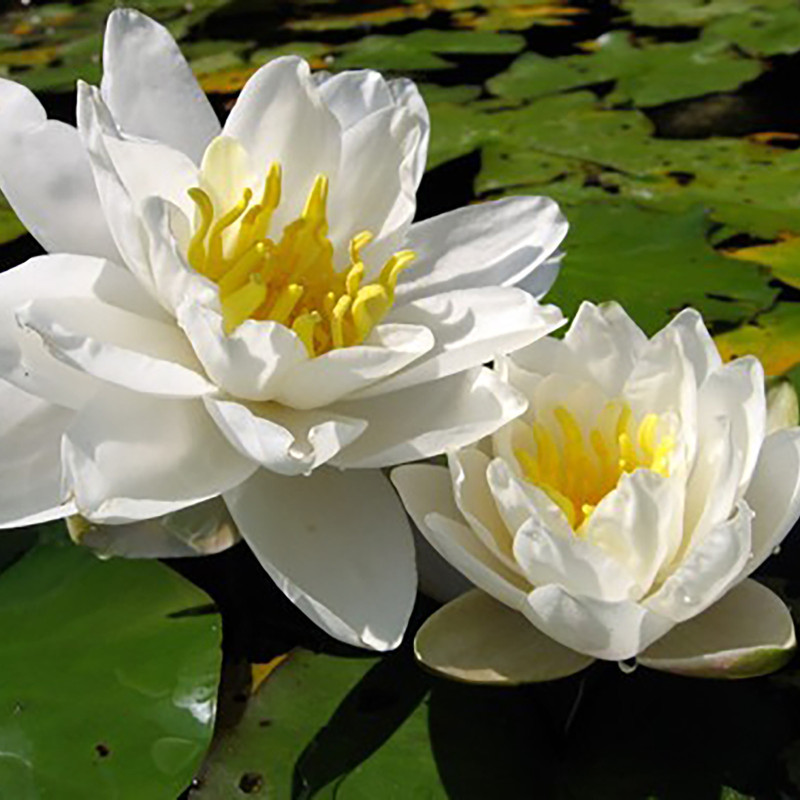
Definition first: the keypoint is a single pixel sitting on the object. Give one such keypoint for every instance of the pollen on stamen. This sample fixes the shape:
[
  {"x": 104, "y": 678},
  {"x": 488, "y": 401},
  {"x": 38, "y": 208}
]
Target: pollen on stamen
[{"x": 289, "y": 276}]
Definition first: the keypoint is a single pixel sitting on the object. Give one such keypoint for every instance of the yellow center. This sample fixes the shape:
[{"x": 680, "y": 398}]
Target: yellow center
[
  {"x": 291, "y": 280},
  {"x": 577, "y": 474}
]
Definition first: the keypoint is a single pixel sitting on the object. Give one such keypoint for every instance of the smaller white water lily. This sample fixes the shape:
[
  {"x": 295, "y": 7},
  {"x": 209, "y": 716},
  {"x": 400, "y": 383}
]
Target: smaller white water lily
[
  {"x": 620, "y": 516},
  {"x": 244, "y": 320}
]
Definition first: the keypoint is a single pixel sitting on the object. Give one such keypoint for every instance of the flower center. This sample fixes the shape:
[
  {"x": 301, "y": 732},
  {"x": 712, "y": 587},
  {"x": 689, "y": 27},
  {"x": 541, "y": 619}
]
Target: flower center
[
  {"x": 577, "y": 474},
  {"x": 290, "y": 280}
]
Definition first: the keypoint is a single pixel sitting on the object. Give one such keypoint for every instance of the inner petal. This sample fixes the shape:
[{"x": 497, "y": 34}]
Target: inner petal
[
  {"x": 577, "y": 468},
  {"x": 288, "y": 277}
]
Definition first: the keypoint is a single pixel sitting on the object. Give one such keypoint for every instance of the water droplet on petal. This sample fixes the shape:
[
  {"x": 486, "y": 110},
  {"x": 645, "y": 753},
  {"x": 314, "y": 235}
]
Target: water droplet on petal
[
  {"x": 628, "y": 665},
  {"x": 686, "y": 598},
  {"x": 776, "y": 550}
]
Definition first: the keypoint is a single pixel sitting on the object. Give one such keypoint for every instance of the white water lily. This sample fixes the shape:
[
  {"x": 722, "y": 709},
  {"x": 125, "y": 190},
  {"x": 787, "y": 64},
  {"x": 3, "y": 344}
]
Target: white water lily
[
  {"x": 233, "y": 311},
  {"x": 621, "y": 515}
]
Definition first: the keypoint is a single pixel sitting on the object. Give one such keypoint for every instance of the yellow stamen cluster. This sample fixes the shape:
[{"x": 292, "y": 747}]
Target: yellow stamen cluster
[
  {"x": 292, "y": 280},
  {"x": 577, "y": 474}
]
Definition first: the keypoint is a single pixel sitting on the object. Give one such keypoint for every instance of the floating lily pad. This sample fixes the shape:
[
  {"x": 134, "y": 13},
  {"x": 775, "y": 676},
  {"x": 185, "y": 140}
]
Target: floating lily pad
[
  {"x": 654, "y": 263},
  {"x": 110, "y": 673},
  {"x": 782, "y": 257},
  {"x": 323, "y": 726},
  {"x": 645, "y": 73},
  {"x": 763, "y": 31},
  {"x": 658, "y": 13}
]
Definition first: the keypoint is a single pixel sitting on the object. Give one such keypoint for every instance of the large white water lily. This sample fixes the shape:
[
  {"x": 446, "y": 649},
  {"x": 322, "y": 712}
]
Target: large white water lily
[
  {"x": 621, "y": 515},
  {"x": 234, "y": 311}
]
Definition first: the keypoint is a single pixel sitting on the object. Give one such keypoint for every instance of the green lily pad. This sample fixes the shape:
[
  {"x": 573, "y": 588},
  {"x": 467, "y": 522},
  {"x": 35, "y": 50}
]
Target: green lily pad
[
  {"x": 657, "y": 13},
  {"x": 110, "y": 673},
  {"x": 646, "y": 74},
  {"x": 761, "y": 32},
  {"x": 654, "y": 264},
  {"x": 328, "y": 727},
  {"x": 422, "y": 50}
]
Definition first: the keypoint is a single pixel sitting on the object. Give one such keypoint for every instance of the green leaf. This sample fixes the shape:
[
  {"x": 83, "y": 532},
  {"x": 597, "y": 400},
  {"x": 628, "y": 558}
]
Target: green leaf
[
  {"x": 658, "y": 13},
  {"x": 110, "y": 672},
  {"x": 654, "y": 264},
  {"x": 329, "y": 727},
  {"x": 646, "y": 74},
  {"x": 761, "y": 32},
  {"x": 421, "y": 50}
]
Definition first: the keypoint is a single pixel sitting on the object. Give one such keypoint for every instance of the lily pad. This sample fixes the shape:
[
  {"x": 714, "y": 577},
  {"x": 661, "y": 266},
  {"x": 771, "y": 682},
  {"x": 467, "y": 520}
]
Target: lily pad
[
  {"x": 763, "y": 31},
  {"x": 658, "y": 13},
  {"x": 645, "y": 73},
  {"x": 328, "y": 726},
  {"x": 110, "y": 673},
  {"x": 782, "y": 257},
  {"x": 654, "y": 264}
]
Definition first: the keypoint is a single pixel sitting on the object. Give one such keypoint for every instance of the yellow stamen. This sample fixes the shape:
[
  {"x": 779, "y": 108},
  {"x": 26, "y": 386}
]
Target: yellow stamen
[{"x": 291, "y": 278}]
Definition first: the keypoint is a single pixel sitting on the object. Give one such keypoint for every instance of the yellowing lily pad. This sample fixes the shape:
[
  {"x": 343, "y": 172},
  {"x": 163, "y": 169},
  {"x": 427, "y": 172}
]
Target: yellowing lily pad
[{"x": 782, "y": 257}]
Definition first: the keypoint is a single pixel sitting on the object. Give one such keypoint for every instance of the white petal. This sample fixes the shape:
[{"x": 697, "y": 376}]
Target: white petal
[
  {"x": 117, "y": 346},
  {"x": 279, "y": 116},
  {"x": 249, "y": 363},
  {"x": 30, "y": 464},
  {"x": 614, "y": 631},
  {"x": 374, "y": 190},
  {"x": 749, "y": 632},
  {"x": 47, "y": 179},
  {"x": 338, "y": 545},
  {"x": 353, "y": 94},
  {"x": 608, "y": 343},
  {"x": 547, "y": 356},
  {"x": 474, "y": 500},
  {"x": 712, "y": 565},
  {"x": 774, "y": 493},
  {"x": 437, "y": 579},
  {"x": 64, "y": 278},
  {"x": 426, "y": 493},
  {"x": 471, "y": 327},
  {"x": 489, "y": 244},
  {"x": 698, "y": 345},
  {"x": 335, "y": 375},
  {"x": 129, "y": 456},
  {"x": 539, "y": 282},
  {"x": 736, "y": 391},
  {"x": 150, "y": 88},
  {"x": 478, "y": 640},
  {"x": 406, "y": 93},
  {"x": 281, "y": 439},
  {"x": 200, "y": 530},
  {"x": 639, "y": 524},
  {"x": 445, "y": 414},
  {"x": 783, "y": 410}
]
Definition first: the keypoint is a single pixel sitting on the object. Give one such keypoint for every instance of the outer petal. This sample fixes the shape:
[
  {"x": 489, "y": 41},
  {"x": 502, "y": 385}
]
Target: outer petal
[
  {"x": 427, "y": 495},
  {"x": 774, "y": 493},
  {"x": 23, "y": 359},
  {"x": 46, "y": 176},
  {"x": 279, "y": 116},
  {"x": 749, "y": 632},
  {"x": 539, "y": 282},
  {"x": 612, "y": 631},
  {"x": 608, "y": 343},
  {"x": 489, "y": 244},
  {"x": 471, "y": 327},
  {"x": 353, "y": 94},
  {"x": 200, "y": 530},
  {"x": 338, "y": 545},
  {"x": 111, "y": 344},
  {"x": 447, "y": 413},
  {"x": 150, "y": 88},
  {"x": 281, "y": 439},
  {"x": 129, "y": 456},
  {"x": 698, "y": 345},
  {"x": 783, "y": 410},
  {"x": 736, "y": 391},
  {"x": 710, "y": 568},
  {"x": 30, "y": 465},
  {"x": 475, "y": 639}
]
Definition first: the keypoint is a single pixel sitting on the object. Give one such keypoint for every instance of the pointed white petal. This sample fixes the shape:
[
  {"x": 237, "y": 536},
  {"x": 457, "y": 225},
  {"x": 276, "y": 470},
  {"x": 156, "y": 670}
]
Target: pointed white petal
[
  {"x": 150, "y": 88},
  {"x": 774, "y": 493},
  {"x": 129, "y": 456},
  {"x": 698, "y": 346},
  {"x": 446, "y": 414},
  {"x": 712, "y": 565},
  {"x": 471, "y": 327},
  {"x": 749, "y": 632},
  {"x": 489, "y": 244},
  {"x": 783, "y": 410},
  {"x": 30, "y": 464},
  {"x": 47, "y": 179},
  {"x": 338, "y": 545},
  {"x": 475, "y": 639}
]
